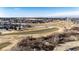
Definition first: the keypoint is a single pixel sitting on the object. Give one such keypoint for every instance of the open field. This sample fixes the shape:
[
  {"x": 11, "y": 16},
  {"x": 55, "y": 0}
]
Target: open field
[
  {"x": 34, "y": 32},
  {"x": 39, "y": 30},
  {"x": 44, "y": 27}
]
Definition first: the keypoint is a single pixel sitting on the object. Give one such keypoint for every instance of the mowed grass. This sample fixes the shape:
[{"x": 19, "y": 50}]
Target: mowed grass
[
  {"x": 34, "y": 32},
  {"x": 2, "y": 45}
]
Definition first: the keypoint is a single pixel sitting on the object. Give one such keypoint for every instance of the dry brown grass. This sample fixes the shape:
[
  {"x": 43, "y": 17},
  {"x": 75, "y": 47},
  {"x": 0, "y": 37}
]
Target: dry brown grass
[
  {"x": 2, "y": 45},
  {"x": 47, "y": 43}
]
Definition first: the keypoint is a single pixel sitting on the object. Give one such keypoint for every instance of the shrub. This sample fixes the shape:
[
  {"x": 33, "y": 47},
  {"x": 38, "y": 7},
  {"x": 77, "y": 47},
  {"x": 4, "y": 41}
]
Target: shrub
[
  {"x": 30, "y": 44},
  {"x": 47, "y": 43}
]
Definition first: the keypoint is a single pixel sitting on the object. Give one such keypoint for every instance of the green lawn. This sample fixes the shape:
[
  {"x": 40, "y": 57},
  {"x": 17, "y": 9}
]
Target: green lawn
[
  {"x": 2, "y": 45},
  {"x": 34, "y": 32}
]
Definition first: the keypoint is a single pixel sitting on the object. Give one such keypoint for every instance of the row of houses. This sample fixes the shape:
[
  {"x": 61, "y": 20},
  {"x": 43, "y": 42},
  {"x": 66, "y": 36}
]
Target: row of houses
[
  {"x": 30, "y": 20},
  {"x": 22, "y": 23},
  {"x": 14, "y": 26}
]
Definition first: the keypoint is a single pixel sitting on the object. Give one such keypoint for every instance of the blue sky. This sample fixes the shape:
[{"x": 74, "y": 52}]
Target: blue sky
[{"x": 38, "y": 11}]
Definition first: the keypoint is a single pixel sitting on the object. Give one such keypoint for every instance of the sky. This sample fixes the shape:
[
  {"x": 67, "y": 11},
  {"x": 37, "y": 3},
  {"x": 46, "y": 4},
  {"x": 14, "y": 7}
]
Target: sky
[{"x": 39, "y": 11}]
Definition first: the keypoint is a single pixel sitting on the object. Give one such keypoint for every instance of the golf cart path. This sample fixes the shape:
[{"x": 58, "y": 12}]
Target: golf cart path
[{"x": 66, "y": 45}]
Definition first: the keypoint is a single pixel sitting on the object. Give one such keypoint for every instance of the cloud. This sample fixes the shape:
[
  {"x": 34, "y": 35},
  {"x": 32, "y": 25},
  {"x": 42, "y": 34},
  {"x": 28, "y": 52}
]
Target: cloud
[
  {"x": 2, "y": 14},
  {"x": 66, "y": 14}
]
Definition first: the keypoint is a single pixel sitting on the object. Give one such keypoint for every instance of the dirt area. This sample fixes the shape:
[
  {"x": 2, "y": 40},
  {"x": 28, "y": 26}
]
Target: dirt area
[
  {"x": 66, "y": 46},
  {"x": 57, "y": 41},
  {"x": 13, "y": 39},
  {"x": 46, "y": 29}
]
